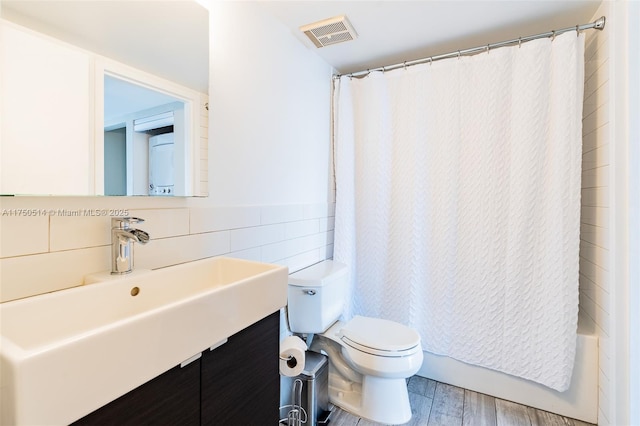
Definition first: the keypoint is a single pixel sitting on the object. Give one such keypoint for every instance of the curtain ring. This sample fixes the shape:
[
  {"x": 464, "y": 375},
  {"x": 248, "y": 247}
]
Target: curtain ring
[
  {"x": 519, "y": 42},
  {"x": 553, "y": 35},
  {"x": 488, "y": 49},
  {"x": 430, "y": 60},
  {"x": 384, "y": 70},
  {"x": 405, "y": 65},
  {"x": 458, "y": 54},
  {"x": 577, "y": 31}
]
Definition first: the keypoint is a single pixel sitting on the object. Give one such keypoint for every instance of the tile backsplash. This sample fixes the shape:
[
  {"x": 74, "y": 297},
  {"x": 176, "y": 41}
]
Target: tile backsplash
[{"x": 45, "y": 251}]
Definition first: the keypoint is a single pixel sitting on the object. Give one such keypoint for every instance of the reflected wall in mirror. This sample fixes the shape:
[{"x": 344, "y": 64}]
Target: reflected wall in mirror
[
  {"x": 144, "y": 135},
  {"x": 159, "y": 47}
]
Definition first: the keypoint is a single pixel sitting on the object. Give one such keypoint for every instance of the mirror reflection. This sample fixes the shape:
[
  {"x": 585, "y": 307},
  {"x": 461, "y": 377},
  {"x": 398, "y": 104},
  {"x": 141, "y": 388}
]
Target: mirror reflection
[{"x": 144, "y": 134}]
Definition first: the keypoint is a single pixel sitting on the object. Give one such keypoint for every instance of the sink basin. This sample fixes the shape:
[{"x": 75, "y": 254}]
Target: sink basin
[{"x": 65, "y": 354}]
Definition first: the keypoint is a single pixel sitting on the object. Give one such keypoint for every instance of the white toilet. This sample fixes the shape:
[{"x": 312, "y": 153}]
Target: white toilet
[{"x": 369, "y": 358}]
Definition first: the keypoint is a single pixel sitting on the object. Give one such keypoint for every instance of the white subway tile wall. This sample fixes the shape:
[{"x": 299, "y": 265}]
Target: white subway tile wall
[
  {"x": 222, "y": 218},
  {"x": 46, "y": 253},
  {"x": 594, "y": 227},
  {"x": 24, "y": 235},
  {"x": 24, "y": 276}
]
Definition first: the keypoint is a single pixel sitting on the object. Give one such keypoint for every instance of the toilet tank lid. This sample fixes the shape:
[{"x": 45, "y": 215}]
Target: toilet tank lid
[{"x": 319, "y": 274}]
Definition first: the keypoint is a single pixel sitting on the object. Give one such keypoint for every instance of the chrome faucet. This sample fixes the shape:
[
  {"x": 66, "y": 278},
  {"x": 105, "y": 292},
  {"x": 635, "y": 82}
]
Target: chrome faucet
[{"x": 122, "y": 239}]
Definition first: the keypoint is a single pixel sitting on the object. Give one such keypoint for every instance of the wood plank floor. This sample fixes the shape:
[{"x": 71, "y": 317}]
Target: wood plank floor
[{"x": 438, "y": 404}]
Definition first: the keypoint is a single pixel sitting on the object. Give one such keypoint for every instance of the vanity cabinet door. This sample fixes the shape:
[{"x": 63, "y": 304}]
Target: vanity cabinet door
[
  {"x": 45, "y": 106},
  {"x": 241, "y": 378},
  {"x": 173, "y": 398}
]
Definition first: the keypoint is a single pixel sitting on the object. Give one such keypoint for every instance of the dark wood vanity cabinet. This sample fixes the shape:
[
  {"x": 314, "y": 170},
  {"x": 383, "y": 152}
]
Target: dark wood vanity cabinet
[
  {"x": 173, "y": 398},
  {"x": 241, "y": 379},
  {"x": 237, "y": 383}
]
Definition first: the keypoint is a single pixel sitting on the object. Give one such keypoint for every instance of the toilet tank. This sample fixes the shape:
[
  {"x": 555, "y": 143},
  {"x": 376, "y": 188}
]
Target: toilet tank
[{"x": 316, "y": 296}]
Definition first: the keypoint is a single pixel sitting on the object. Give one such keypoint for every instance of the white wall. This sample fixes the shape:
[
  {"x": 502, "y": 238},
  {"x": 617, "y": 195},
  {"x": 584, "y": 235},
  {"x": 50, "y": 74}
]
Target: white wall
[
  {"x": 634, "y": 209},
  {"x": 268, "y": 165},
  {"x": 624, "y": 197},
  {"x": 270, "y": 108}
]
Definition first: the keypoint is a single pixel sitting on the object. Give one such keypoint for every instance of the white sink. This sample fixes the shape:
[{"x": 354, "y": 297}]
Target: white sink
[{"x": 65, "y": 354}]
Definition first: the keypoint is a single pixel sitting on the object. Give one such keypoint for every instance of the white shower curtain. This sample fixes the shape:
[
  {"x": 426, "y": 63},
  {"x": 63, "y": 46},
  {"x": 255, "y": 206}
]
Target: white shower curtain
[{"x": 458, "y": 203}]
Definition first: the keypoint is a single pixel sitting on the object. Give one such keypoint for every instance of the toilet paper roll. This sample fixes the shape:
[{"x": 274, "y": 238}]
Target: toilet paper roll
[{"x": 292, "y": 356}]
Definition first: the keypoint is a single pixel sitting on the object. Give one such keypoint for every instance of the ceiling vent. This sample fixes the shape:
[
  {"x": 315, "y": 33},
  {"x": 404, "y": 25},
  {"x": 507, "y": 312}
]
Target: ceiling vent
[{"x": 330, "y": 31}]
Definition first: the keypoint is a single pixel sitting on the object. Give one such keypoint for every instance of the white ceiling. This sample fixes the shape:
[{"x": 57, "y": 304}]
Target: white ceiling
[
  {"x": 391, "y": 32},
  {"x": 122, "y": 98}
]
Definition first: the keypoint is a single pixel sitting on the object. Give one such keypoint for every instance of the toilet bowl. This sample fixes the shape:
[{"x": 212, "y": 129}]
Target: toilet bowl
[
  {"x": 369, "y": 358},
  {"x": 382, "y": 354}
]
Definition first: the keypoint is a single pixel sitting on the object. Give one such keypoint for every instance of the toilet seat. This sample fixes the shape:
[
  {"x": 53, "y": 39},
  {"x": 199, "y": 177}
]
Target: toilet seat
[{"x": 380, "y": 337}]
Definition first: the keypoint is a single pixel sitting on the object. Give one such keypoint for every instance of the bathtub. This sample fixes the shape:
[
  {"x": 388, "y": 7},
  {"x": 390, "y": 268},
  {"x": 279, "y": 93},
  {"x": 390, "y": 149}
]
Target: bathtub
[{"x": 580, "y": 401}]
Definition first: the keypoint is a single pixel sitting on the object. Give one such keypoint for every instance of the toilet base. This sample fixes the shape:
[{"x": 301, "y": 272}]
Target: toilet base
[{"x": 377, "y": 399}]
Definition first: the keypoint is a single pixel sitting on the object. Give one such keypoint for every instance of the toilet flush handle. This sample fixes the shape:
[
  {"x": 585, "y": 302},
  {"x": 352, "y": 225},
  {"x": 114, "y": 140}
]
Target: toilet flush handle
[{"x": 309, "y": 292}]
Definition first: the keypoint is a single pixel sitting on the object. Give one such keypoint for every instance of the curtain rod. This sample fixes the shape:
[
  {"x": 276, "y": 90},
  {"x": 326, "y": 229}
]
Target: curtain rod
[{"x": 598, "y": 25}]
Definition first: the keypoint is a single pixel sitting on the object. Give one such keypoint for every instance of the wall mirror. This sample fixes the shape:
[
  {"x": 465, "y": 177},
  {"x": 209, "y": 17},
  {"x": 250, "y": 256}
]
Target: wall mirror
[{"x": 148, "y": 84}]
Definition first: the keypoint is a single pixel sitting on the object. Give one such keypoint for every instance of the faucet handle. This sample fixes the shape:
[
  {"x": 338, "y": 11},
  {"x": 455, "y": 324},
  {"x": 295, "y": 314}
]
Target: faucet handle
[{"x": 124, "y": 222}]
